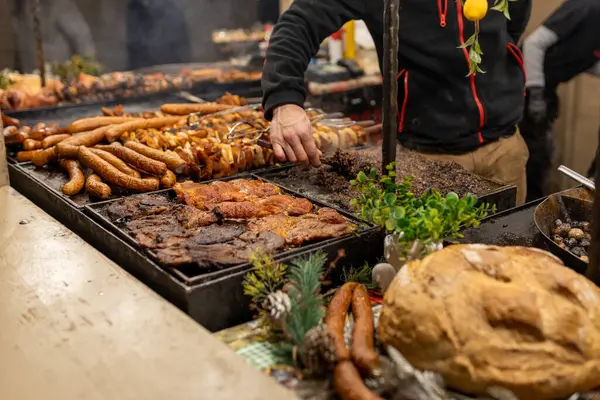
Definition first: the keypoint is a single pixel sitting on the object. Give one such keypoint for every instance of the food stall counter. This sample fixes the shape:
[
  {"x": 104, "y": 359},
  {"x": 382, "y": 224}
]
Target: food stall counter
[{"x": 75, "y": 325}]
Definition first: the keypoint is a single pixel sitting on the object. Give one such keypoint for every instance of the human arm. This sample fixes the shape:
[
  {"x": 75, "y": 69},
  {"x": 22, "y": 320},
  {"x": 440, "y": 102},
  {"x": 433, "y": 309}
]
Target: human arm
[
  {"x": 75, "y": 28},
  {"x": 520, "y": 12},
  {"x": 295, "y": 40}
]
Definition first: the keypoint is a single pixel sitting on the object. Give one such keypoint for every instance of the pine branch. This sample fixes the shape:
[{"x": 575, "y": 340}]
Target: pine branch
[{"x": 304, "y": 291}]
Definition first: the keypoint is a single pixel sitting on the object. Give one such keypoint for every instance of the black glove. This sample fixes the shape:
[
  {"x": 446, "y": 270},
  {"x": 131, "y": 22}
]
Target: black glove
[{"x": 537, "y": 107}]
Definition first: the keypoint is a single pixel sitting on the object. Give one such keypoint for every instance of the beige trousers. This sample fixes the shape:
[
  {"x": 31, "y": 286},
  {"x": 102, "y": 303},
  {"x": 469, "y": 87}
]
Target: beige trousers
[{"x": 503, "y": 161}]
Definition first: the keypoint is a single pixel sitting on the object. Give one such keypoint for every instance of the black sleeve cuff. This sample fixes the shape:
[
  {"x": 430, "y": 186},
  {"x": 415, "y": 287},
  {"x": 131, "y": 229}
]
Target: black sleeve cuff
[{"x": 277, "y": 99}]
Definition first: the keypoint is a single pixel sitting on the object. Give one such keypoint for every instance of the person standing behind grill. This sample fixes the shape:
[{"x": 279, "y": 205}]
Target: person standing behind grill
[
  {"x": 443, "y": 113},
  {"x": 566, "y": 45},
  {"x": 65, "y": 32}
]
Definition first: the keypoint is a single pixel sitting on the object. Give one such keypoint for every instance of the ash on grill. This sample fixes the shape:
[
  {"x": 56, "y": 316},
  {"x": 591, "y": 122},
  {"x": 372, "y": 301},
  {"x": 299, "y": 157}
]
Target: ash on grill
[{"x": 574, "y": 236}]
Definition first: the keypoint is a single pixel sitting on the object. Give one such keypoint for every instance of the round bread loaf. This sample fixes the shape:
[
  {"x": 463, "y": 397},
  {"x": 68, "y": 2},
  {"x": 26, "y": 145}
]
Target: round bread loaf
[{"x": 485, "y": 316}]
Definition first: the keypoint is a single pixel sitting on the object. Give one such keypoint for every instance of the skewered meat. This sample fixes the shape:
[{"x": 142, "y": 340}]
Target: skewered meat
[{"x": 326, "y": 223}]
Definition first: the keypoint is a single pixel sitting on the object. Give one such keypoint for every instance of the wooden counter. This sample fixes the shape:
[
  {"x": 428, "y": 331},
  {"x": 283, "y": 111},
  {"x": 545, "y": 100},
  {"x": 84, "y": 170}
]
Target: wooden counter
[{"x": 76, "y": 326}]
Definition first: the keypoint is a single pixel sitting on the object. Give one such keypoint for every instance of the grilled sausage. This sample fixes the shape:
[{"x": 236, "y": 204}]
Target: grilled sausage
[
  {"x": 8, "y": 121},
  {"x": 335, "y": 318},
  {"x": 43, "y": 157},
  {"x": 76, "y": 177},
  {"x": 139, "y": 161},
  {"x": 171, "y": 159},
  {"x": 112, "y": 175},
  {"x": 54, "y": 140},
  {"x": 10, "y": 135},
  {"x": 200, "y": 108},
  {"x": 116, "y": 131},
  {"x": 24, "y": 156},
  {"x": 30, "y": 144},
  {"x": 88, "y": 124},
  {"x": 363, "y": 335},
  {"x": 65, "y": 148},
  {"x": 349, "y": 385},
  {"x": 116, "y": 162},
  {"x": 22, "y": 134},
  {"x": 168, "y": 180},
  {"x": 96, "y": 188}
]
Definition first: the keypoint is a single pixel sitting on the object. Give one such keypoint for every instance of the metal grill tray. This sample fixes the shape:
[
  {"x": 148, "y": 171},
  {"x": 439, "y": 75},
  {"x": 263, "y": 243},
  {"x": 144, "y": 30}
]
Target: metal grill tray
[
  {"x": 191, "y": 275},
  {"x": 216, "y": 300},
  {"x": 504, "y": 197}
]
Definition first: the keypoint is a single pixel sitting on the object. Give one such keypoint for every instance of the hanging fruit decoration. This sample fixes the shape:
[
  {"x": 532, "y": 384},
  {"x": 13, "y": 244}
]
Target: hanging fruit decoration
[{"x": 475, "y": 11}]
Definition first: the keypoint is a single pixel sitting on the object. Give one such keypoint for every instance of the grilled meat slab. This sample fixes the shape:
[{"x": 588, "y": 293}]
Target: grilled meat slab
[
  {"x": 207, "y": 196},
  {"x": 325, "y": 224}
]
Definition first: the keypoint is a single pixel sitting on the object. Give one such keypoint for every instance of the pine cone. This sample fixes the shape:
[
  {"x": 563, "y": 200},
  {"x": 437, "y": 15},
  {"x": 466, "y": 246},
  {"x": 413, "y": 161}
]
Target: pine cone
[
  {"x": 279, "y": 306},
  {"x": 317, "y": 352}
]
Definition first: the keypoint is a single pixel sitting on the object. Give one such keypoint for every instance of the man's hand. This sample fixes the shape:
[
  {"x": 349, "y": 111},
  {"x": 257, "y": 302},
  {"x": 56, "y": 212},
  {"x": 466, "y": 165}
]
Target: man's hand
[
  {"x": 291, "y": 136},
  {"x": 537, "y": 108}
]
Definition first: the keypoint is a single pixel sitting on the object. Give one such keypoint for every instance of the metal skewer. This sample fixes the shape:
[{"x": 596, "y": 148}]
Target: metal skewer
[
  {"x": 576, "y": 176},
  {"x": 390, "y": 86}
]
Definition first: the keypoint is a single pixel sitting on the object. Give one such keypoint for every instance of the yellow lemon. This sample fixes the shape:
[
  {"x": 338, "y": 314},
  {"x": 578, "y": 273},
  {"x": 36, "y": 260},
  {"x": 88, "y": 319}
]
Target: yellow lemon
[{"x": 475, "y": 10}]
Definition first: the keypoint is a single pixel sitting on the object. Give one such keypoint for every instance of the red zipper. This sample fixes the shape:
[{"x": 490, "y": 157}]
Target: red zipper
[
  {"x": 514, "y": 50},
  {"x": 461, "y": 29},
  {"x": 442, "y": 11},
  {"x": 403, "y": 110}
]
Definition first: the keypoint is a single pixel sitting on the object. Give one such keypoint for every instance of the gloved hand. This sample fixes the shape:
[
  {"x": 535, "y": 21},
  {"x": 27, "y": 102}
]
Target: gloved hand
[
  {"x": 291, "y": 136},
  {"x": 537, "y": 107}
]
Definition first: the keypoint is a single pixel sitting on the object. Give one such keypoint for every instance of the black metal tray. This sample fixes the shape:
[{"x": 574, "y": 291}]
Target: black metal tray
[
  {"x": 64, "y": 115},
  {"x": 504, "y": 197},
  {"x": 191, "y": 276},
  {"x": 216, "y": 301},
  {"x": 52, "y": 178}
]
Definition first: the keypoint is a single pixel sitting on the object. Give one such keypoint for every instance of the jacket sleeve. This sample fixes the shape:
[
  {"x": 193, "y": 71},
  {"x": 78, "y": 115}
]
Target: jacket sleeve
[
  {"x": 568, "y": 16},
  {"x": 520, "y": 12},
  {"x": 534, "y": 53},
  {"x": 295, "y": 40},
  {"x": 75, "y": 28}
]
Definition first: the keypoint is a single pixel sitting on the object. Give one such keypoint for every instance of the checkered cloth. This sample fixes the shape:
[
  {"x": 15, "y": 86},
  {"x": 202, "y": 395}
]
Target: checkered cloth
[{"x": 263, "y": 355}]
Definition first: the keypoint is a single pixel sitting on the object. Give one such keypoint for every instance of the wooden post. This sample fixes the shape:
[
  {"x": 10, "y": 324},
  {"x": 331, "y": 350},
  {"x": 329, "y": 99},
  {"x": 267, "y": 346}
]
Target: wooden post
[
  {"x": 37, "y": 35},
  {"x": 390, "y": 85},
  {"x": 3, "y": 162},
  {"x": 593, "y": 270}
]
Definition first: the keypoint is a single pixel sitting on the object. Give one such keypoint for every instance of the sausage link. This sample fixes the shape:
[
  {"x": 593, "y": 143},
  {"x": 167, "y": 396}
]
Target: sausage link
[
  {"x": 139, "y": 161},
  {"x": 168, "y": 180},
  {"x": 24, "y": 156},
  {"x": 116, "y": 162},
  {"x": 170, "y": 158},
  {"x": 88, "y": 124},
  {"x": 30, "y": 144},
  {"x": 116, "y": 131},
  {"x": 10, "y": 135},
  {"x": 363, "y": 335},
  {"x": 200, "y": 108},
  {"x": 8, "y": 121},
  {"x": 349, "y": 385},
  {"x": 22, "y": 134},
  {"x": 96, "y": 188},
  {"x": 88, "y": 139},
  {"x": 54, "y": 140},
  {"x": 44, "y": 157},
  {"x": 76, "y": 177},
  {"x": 112, "y": 175},
  {"x": 335, "y": 318}
]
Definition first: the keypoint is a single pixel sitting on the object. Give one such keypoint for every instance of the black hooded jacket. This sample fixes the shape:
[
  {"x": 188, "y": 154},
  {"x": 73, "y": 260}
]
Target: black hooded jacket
[
  {"x": 576, "y": 23},
  {"x": 440, "y": 109}
]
